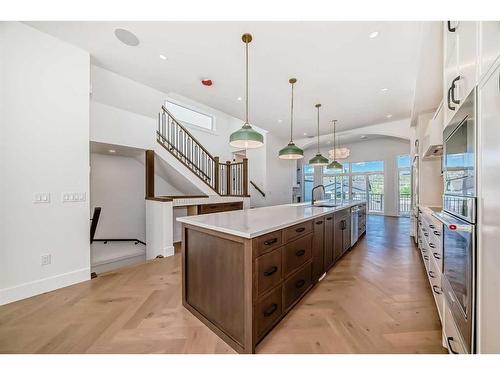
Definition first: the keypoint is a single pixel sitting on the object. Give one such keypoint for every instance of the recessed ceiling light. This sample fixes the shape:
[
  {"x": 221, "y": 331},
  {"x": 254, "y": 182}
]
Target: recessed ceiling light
[
  {"x": 384, "y": 89},
  {"x": 373, "y": 34},
  {"x": 389, "y": 115},
  {"x": 163, "y": 57},
  {"x": 239, "y": 98},
  {"x": 280, "y": 121},
  {"x": 363, "y": 137},
  {"x": 127, "y": 37},
  {"x": 111, "y": 151}
]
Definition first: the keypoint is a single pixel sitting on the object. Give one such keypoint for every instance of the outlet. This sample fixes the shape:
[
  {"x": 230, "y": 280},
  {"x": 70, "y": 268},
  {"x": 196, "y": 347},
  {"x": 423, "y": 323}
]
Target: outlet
[
  {"x": 41, "y": 198},
  {"x": 46, "y": 259}
]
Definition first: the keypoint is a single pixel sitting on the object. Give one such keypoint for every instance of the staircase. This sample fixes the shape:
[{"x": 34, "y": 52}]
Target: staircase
[{"x": 226, "y": 179}]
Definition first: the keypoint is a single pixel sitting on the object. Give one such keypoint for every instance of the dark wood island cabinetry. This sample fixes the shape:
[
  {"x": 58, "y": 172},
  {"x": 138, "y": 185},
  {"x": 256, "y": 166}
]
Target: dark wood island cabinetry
[{"x": 242, "y": 285}]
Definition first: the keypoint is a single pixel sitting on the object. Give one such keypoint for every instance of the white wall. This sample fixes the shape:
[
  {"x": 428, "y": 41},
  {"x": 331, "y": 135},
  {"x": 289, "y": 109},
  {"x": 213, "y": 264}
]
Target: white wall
[
  {"x": 117, "y": 185},
  {"x": 117, "y": 99},
  {"x": 44, "y": 147},
  {"x": 386, "y": 149}
]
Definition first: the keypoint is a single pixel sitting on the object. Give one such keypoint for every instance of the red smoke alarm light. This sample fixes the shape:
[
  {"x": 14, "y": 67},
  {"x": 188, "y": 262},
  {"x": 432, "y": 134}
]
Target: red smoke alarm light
[
  {"x": 452, "y": 227},
  {"x": 206, "y": 82}
]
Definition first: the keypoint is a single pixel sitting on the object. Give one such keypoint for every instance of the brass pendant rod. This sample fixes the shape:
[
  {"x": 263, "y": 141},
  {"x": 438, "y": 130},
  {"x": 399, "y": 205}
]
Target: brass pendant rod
[
  {"x": 246, "y": 99},
  {"x": 317, "y": 106},
  {"x": 291, "y": 117}
]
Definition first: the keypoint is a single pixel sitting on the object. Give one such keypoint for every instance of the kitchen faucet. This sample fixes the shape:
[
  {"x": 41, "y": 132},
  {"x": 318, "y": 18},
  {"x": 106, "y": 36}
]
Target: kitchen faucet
[{"x": 312, "y": 192}]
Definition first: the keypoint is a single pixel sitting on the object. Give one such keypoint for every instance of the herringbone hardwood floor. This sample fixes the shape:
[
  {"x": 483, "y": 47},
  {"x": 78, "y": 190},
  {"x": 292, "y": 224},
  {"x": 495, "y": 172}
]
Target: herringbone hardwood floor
[{"x": 376, "y": 299}]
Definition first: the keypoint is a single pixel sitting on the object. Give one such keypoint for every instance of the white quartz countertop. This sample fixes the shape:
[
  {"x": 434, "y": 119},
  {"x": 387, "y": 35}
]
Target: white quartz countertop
[{"x": 258, "y": 221}]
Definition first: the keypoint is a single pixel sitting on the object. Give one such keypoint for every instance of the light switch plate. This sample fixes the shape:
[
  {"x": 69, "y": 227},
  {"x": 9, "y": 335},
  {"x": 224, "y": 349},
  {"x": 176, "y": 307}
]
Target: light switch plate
[
  {"x": 46, "y": 259},
  {"x": 74, "y": 197},
  {"x": 41, "y": 198}
]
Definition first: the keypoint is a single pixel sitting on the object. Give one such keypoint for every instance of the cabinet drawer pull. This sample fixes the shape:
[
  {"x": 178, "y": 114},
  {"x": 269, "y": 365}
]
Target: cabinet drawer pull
[
  {"x": 300, "y": 252},
  {"x": 451, "y": 29},
  {"x": 328, "y": 218},
  {"x": 437, "y": 256},
  {"x": 426, "y": 257},
  {"x": 431, "y": 245},
  {"x": 431, "y": 274},
  {"x": 271, "y": 271},
  {"x": 271, "y": 241},
  {"x": 453, "y": 87},
  {"x": 436, "y": 289},
  {"x": 449, "y": 340},
  {"x": 319, "y": 222},
  {"x": 450, "y": 107},
  {"x": 299, "y": 284},
  {"x": 426, "y": 234},
  {"x": 432, "y": 226},
  {"x": 270, "y": 310},
  {"x": 437, "y": 233},
  {"x": 298, "y": 230}
]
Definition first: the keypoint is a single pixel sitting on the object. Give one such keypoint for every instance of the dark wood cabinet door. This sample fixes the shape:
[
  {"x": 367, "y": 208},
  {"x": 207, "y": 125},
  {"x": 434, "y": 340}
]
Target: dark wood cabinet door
[
  {"x": 318, "y": 248},
  {"x": 338, "y": 237},
  {"x": 329, "y": 254},
  {"x": 347, "y": 233}
]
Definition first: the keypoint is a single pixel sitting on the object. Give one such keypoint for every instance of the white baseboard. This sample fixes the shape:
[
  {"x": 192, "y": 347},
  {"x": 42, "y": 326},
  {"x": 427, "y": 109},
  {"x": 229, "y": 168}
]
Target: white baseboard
[
  {"x": 114, "y": 264},
  {"x": 33, "y": 288}
]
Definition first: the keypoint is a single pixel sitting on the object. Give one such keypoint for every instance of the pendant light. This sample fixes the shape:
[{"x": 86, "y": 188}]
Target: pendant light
[
  {"x": 246, "y": 137},
  {"x": 319, "y": 159},
  {"x": 291, "y": 151},
  {"x": 334, "y": 164}
]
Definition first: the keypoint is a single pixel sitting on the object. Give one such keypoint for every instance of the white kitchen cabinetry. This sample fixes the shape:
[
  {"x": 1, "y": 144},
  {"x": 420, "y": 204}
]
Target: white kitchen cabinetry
[
  {"x": 488, "y": 255},
  {"x": 460, "y": 65},
  {"x": 489, "y": 44}
]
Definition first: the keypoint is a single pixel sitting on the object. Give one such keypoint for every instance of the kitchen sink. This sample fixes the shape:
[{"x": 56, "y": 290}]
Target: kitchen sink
[{"x": 325, "y": 205}]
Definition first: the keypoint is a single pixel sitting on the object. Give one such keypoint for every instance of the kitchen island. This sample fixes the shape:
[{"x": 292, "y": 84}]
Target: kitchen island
[{"x": 242, "y": 271}]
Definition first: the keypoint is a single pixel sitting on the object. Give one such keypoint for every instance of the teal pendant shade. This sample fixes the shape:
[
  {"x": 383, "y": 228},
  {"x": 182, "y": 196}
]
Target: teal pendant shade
[
  {"x": 291, "y": 152},
  {"x": 334, "y": 165},
  {"x": 246, "y": 137},
  {"x": 318, "y": 160}
]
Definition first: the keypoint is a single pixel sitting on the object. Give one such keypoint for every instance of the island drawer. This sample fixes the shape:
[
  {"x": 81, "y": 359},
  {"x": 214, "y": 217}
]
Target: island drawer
[
  {"x": 295, "y": 286},
  {"x": 297, "y": 230},
  {"x": 219, "y": 207},
  {"x": 296, "y": 253},
  {"x": 268, "y": 268},
  {"x": 267, "y": 242},
  {"x": 267, "y": 311}
]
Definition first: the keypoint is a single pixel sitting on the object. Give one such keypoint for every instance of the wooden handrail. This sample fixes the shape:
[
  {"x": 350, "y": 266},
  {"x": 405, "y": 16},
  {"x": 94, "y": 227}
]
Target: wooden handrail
[
  {"x": 257, "y": 188},
  {"x": 224, "y": 178}
]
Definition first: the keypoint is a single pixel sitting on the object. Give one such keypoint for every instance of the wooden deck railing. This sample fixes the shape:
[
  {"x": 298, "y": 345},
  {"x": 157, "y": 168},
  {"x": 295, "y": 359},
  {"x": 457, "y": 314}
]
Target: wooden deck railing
[{"x": 229, "y": 178}]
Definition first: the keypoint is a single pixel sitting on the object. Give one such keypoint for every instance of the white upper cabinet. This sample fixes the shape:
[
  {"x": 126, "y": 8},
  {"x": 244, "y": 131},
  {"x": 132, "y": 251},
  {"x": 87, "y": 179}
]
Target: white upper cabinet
[
  {"x": 489, "y": 45},
  {"x": 460, "y": 65}
]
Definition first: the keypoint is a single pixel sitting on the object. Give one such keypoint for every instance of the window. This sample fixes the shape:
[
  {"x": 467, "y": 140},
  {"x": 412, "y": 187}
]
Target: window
[
  {"x": 404, "y": 161},
  {"x": 368, "y": 166},
  {"x": 190, "y": 116},
  {"x": 404, "y": 184},
  {"x": 308, "y": 181}
]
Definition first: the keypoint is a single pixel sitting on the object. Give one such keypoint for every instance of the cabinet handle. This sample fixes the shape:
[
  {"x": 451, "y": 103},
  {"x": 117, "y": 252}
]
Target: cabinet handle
[
  {"x": 299, "y": 284},
  {"x": 449, "y": 340},
  {"x": 437, "y": 256},
  {"x": 426, "y": 234},
  {"x": 343, "y": 225},
  {"x": 270, "y": 310},
  {"x": 431, "y": 274},
  {"x": 451, "y": 29},
  {"x": 319, "y": 222},
  {"x": 271, "y": 241},
  {"x": 432, "y": 226},
  {"x": 450, "y": 107},
  {"x": 298, "y": 230},
  {"x": 437, "y": 233},
  {"x": 328, "y": 218},
  {"x": 453, "y": 86},
  {"x": 426, "y": 257},
  {"x": 432, "y": 246},
  {"x": 271, "y": 271},
  {"x": 300, "y": 252},
  {"x": 436, "y": 289}
]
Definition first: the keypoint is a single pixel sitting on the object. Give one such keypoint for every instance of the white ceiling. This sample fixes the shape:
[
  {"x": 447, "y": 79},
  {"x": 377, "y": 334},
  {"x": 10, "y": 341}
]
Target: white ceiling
[{"x": 336, "y": 64}]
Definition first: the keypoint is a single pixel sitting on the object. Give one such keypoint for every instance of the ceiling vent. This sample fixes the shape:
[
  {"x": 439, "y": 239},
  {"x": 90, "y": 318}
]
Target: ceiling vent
[{"x": 127, "y": 37}]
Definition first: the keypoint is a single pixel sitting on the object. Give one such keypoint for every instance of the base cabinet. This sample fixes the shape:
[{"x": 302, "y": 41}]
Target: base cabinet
[{"x": 241, "y": 288}]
